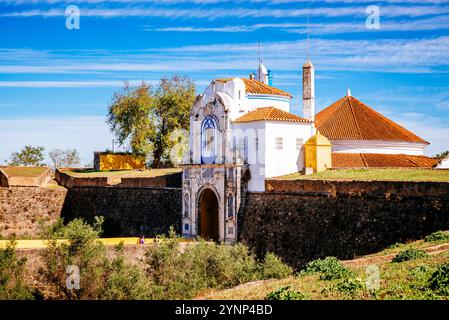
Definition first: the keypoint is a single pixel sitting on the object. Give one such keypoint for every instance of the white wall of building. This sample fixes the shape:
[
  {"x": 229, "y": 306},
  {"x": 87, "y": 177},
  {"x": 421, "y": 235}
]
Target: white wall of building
[
  {"x": 254, "y": 154},
  {"x": 444, "y": 164},
  {"x": 289, "y": 159},
  {"x": 378, "y": 146},
  {"x": 266, "y": 160}
]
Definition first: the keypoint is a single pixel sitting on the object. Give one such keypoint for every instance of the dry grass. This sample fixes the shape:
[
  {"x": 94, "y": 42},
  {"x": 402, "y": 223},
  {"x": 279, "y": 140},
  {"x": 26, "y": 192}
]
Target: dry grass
[
  {"x": 374, "y": 174},
  {"x": 23, "y": 171}
]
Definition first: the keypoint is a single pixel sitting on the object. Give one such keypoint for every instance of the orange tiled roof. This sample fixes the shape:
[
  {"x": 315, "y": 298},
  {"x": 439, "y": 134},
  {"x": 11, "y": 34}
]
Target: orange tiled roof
[
  {"x": 374, "y": 160},
  {"x": 351, "y": 119},
  {"x": 270, "y": 113},
  {"x": 257, "y": 87}
]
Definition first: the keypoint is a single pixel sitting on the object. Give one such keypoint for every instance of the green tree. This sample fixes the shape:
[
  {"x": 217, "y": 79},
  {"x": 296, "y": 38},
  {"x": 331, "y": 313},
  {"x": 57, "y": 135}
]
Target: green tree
[
  {"x": 147, "y": 118},
  {"x": 174, "y": 98},
  {"x": 28, "y": 156},
  {"x": 442, "y": 155},
  {"x": 132, "y": 119}
]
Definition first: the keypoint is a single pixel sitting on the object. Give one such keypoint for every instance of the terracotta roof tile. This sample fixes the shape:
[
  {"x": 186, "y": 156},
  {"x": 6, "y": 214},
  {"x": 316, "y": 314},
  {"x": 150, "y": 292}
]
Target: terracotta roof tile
[
  {"x": 374, "y": 160},
  {"x": 351, "y": 119},
  {"x": 257, "y": 87},
  {"x": 269, "y": 113}
]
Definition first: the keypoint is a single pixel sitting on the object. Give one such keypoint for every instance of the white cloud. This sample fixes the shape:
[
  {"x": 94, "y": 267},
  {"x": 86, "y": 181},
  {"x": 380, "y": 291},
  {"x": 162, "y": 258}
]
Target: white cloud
[
  {"x": 389, "y": 55},
  {"x": 214, "y": 13},
  {"x": 435, "y": 23},
  {"x": 443, "y": 105},
  {"x": 84, "y": 133},
  {"x": 205, "y": 2},
  {"x": 429, "y": 128},
  {"x": 67, "y": 84}
]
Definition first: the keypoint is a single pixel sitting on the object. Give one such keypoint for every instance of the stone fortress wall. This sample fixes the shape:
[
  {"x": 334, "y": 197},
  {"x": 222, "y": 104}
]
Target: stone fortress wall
[{"x": 298, "y": 220}]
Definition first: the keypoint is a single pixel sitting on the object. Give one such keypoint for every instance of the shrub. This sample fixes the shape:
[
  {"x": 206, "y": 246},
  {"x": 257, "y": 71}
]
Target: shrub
[
  {"x": 12, "y": 274},
  {"x": 273, "y": 268},
  {"x": 395, "y": 245},
  {"x": 409, "y": 254},
  {"x": 285, "y": 293},
  {"x": 100, "y": 276},
  {"x": 420, "y": 270},
  {"x": 125, "y": 281},
  {"x": 439, "y": 280},
  {"x": 181, "y": 274},
  {"x": 437, "y": 236},
  {"x": 350, "y": 286},
  {"x": 330, "y": 268}
]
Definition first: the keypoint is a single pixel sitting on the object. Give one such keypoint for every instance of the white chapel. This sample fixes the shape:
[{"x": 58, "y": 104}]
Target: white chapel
[{"x": 242, "y": 132}]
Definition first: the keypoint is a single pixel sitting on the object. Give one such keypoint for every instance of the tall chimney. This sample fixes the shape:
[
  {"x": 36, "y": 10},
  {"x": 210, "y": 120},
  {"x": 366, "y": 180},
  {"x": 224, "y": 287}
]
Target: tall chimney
[{"x": 308, "y": 90}]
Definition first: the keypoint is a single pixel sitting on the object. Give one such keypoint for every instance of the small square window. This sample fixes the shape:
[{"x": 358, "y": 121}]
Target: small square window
[
  {"x": 186, "y": 226},
  {"x": 279, "y": 143}
]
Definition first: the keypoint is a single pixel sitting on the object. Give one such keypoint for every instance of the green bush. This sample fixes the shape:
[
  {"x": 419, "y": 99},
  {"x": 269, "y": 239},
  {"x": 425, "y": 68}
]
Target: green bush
[
  {"x": 273, "y": 268},
  {"x": 124, "y": 281},
  {"x": 395, "y": 245},
  {"x": 409, "y": 254},
  {"x": 350, "y": 286},
  {"x": 181, "y": 274},
  {"x": 100, "y": 276},
  {"x": 285, "y": 293},
  {"x": 12, "y": 274},
  {"x": 439, "y": 280},
  {"x": 437, "y": 236},
  {"x": 330, "y": 268}
]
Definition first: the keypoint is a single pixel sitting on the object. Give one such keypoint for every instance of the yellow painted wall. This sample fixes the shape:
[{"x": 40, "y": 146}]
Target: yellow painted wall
[
  {"x": 39, "y": 244},
  {"x": 318, "y": 153},
  {"x": 121, "y": 162}
]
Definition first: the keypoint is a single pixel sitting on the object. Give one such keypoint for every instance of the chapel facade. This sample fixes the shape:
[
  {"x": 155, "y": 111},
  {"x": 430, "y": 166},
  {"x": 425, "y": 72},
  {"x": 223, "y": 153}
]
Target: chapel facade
[{"x": 242, "y": 132}]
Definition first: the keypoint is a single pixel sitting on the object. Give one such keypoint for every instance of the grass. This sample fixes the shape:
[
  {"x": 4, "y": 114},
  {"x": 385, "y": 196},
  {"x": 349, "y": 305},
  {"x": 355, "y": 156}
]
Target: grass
[
  {"x": 23, "y": 171},
  {"x": 408, "y": 280},
  {"x": 90, "y": 173},
  {"x": 374, "y": 174}
]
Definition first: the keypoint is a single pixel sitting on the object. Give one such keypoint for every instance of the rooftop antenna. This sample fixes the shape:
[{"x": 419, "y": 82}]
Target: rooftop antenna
[{"x": 308, "y": 31}]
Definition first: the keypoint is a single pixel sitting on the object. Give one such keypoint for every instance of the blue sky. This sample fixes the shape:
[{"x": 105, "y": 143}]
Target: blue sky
[{"x": 55, "y": 83}]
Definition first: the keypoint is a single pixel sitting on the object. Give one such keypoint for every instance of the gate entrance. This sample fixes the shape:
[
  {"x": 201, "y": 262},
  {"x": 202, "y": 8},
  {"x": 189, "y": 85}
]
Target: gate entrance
[{"x": 208, "y": 215}]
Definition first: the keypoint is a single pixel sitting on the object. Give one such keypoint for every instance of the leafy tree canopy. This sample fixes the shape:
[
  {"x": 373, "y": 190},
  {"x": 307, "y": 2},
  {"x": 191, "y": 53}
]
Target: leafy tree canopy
[
  {"x": 28, "y": 156},
  {"x": 146, "y": 118},
  {"x": 442, "y": 155}
]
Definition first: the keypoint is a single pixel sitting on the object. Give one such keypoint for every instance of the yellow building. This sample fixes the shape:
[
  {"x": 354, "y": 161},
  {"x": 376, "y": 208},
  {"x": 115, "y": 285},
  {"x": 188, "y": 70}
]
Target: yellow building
[
  {"x": 318, "y": 153},
  {"x": 117, "y": 161}
]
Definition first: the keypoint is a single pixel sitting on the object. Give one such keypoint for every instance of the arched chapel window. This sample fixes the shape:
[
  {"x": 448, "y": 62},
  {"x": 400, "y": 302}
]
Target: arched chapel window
[{"x": 209, "y": 140}]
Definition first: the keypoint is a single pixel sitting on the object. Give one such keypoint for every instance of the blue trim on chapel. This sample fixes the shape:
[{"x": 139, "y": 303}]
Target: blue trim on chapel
[{"x": 209, "y": 123}]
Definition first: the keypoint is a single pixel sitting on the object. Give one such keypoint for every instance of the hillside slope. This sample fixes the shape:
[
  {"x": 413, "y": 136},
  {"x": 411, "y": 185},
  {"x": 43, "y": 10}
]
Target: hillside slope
[{"x": 397, "y": 280}]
